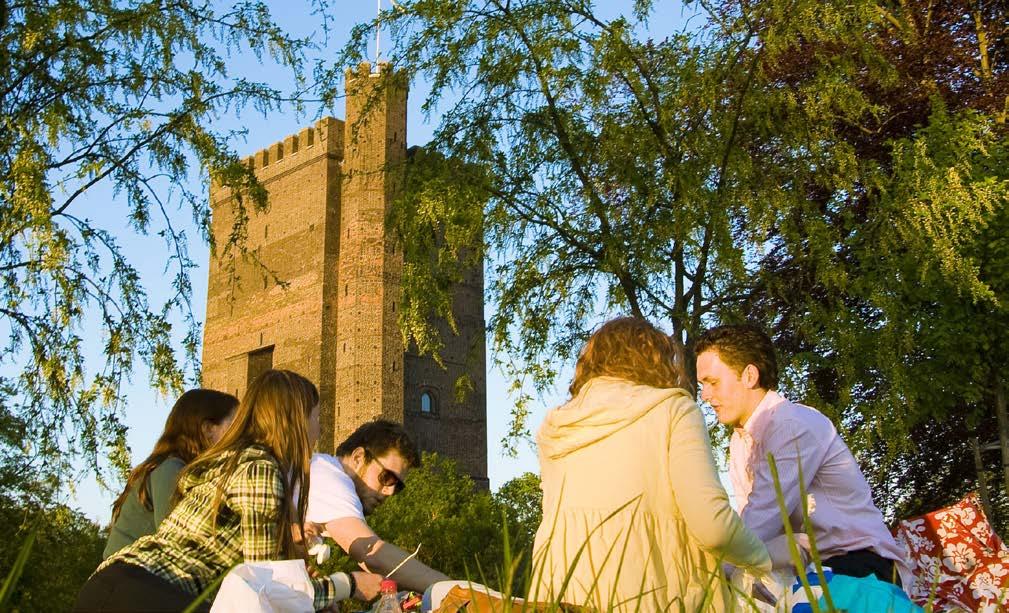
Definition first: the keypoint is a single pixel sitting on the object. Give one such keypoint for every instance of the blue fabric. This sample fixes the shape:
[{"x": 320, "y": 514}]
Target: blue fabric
[
  {"x": 853, "y": 595},
  {"x": 868, "y": 595},
  {"x": 800, "y": 598}
]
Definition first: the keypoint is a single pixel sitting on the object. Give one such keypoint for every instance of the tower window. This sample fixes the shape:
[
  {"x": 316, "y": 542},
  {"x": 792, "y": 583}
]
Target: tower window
[
  {"x": 259, "y": 361},
  {"x": 428, "y": 403}
]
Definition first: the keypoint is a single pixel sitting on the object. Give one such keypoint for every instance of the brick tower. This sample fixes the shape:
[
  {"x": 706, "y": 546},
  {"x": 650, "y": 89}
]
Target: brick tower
[
  {"x": 323, "y": 299},
  {"x": 369, "y": 364}
]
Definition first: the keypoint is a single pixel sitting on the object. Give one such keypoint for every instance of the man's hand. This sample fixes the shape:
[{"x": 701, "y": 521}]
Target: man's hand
[
  {"x": 368, "y": 585},
  {"x": 781, "y": 552},
  {"x": 315, "y": 544},
  {"x": 757, "y": 589},
  {"x": 318, "y": 548}
]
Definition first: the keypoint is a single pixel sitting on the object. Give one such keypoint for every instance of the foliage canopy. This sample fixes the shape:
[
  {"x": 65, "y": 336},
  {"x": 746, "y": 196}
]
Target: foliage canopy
[
  {"x": 834, "y": 171},
  {"x": 106, "y": 108}
]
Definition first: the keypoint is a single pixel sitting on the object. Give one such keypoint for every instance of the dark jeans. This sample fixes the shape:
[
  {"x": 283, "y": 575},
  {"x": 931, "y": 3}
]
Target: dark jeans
[
  {"x": 863, "y": 563},
  {"x": 122, "y": 587}
]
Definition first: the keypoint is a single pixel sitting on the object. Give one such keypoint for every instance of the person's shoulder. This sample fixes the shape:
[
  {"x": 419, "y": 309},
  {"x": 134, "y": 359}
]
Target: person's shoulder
[
  {"x": 327, "y": 468},
  {"x": 332, "y": 494},
  {"x": 679, "y": 400},
  {"x": 257, "y": 458},
  {"x": 171, "y": 464},
  {"x": 167, "y": 471},
  {"x": 325, "y": 460},
  {"x": 256, "y": 468},
  {"x": 799, "y": 415}
]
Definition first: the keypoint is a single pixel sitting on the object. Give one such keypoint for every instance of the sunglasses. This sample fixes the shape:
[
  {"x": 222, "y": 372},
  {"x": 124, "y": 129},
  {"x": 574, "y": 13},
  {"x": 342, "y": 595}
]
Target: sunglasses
[{"x": 388, "y": 477}]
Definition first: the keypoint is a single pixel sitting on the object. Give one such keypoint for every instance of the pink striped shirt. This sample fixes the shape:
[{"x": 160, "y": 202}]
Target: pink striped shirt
[{"x": 842, "y": 513}]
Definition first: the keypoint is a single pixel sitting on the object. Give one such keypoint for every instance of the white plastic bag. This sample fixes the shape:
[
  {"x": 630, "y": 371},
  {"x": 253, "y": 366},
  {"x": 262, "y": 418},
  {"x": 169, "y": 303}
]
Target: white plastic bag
[{"x": 266, "y": 587}]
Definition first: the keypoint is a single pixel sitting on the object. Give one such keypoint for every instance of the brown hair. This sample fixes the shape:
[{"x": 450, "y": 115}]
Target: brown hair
[
  {"x": 631, "y": 348},
  {"x": 741, "y": 345},
  {"x": 182, "y": 437},
  {"x": 273, "y": 414},
  {"x": 378, "y": 437}
]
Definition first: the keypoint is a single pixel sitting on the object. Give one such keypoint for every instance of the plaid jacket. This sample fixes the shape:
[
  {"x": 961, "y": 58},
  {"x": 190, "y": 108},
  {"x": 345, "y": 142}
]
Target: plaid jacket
[{"x": 191, "y": 550}]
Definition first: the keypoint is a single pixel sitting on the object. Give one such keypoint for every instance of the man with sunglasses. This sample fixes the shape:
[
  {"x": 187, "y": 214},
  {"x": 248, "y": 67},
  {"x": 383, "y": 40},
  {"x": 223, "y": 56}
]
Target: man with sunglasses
[{"x": 368, "y": 468}]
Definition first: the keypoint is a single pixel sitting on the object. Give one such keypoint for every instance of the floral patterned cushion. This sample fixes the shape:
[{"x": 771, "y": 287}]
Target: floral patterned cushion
[{"x": 957, "y": 559}]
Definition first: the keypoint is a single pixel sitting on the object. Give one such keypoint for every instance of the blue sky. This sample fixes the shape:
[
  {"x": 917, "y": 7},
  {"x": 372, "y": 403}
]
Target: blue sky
[{"x": 146, "y": 411}]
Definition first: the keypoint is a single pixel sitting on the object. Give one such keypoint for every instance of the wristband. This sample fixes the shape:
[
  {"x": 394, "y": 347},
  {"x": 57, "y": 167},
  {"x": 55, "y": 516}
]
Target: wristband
[{"x": 344, "y": 585}]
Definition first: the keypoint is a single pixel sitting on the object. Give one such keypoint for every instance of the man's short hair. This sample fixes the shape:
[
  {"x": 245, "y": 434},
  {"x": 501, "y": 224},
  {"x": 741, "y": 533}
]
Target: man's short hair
[
  {"x": 740, "y": 345},
  {"x": 378, "y": 438}
]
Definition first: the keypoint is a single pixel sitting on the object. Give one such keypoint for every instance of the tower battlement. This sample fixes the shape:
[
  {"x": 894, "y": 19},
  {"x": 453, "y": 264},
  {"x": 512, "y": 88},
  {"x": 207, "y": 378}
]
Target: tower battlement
[{"x": 325, "y": 136}]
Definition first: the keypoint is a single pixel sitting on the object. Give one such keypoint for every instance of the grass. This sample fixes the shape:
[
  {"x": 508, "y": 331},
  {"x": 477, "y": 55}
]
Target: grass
[{"x": 533, "y": 601}]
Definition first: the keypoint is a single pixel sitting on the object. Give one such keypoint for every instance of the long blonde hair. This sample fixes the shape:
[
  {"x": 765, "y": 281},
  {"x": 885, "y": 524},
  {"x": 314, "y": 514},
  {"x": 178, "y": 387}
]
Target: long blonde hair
[
  {"x": 632, "y": 348},
  {"x": 273, "y": 414}
]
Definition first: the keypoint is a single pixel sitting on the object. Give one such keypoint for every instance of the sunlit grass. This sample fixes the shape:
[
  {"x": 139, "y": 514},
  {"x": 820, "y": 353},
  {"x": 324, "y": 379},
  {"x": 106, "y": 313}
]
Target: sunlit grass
[{"x": 518, "y": 578}]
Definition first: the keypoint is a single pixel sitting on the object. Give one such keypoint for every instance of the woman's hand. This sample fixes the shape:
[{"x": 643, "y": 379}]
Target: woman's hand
[{"x": 368, "y": 585}]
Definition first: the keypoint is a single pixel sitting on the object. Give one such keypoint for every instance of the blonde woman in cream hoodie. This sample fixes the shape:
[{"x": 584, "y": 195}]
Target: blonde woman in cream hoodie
[{"x": 631, "y": 497}]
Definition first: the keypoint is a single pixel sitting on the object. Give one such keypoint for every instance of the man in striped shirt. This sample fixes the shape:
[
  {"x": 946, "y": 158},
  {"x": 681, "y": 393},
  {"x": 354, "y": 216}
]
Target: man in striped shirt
[{"x": 738, "y": 372}]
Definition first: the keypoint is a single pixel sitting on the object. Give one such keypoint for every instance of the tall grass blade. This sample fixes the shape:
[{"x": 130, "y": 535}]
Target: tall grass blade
[
  {"x": 15, "y": 572},
  {"x": 210, "y": 589},
  {"x": 793, "y": 547},
  {"x": 807, "y": 525},
  {"x": 578, "y": 554}
]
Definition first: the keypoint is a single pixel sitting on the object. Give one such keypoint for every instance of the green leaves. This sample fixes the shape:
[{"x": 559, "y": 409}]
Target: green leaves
[
  {"x": 460, "y": 527},
  {"x": 605, "y": 167},
  {"x": 833, "y": 170},
  {"x": 49, "y": 552},
  {"x": 877, "y": 281},
  {"x": 439, "y": 222},
  {"x": 106, "y": 106}
]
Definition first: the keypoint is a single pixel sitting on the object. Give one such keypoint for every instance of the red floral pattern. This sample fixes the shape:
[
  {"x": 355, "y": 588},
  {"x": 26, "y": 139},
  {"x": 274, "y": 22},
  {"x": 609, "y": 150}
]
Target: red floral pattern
[{"x": 955, "y": 555}]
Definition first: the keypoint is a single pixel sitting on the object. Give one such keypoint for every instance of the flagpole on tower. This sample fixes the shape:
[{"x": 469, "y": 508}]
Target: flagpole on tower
[{"x": 378, "y": 31}]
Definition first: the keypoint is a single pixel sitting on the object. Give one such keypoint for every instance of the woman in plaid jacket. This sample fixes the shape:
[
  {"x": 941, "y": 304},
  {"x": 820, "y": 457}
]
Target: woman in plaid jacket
[{"x": 235, "y": 503}]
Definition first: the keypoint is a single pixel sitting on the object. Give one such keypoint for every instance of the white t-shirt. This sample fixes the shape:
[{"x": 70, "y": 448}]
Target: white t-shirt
[{"x": 332, "y": 494}]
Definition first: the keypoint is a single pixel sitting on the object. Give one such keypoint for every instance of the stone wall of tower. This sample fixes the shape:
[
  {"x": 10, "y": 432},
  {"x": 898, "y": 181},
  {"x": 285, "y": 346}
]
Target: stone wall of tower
[
  {"x": 457, "y": 427},
  {"x": 369, "y": 364},
  {"x": 272, "y": 313}
]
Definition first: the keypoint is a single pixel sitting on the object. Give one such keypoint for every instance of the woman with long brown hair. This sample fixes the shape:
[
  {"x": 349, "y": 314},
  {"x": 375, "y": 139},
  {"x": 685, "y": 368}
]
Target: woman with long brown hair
[
  {"x": 197, "y": 420},
  {"x": 237, "y": 503},
  {"x": 634, "y": 515}
]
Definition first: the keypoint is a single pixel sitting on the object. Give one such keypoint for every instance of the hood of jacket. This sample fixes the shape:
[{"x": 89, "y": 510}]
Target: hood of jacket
[{"x": 603, "y": 406}]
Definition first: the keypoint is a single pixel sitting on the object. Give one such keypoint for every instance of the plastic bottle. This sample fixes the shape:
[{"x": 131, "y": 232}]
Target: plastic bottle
[{"x": 389, "y": 602}]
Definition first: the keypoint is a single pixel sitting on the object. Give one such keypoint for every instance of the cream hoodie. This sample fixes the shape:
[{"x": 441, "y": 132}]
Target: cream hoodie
[{"x": 633, "y": 506}]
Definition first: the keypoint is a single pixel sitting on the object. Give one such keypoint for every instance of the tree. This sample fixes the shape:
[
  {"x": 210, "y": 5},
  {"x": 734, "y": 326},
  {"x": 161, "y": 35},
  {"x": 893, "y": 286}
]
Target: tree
[
  {"x": 521, "y": 501},
  {"x": 66, "y": 552},
  {"x": 888, "y": 293},
  {"x": 609, "y": 166},
  {"x": 935, "y": 471},
  {"x": 119, "y": 96},
  {"x": 831, "y": 170}
]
